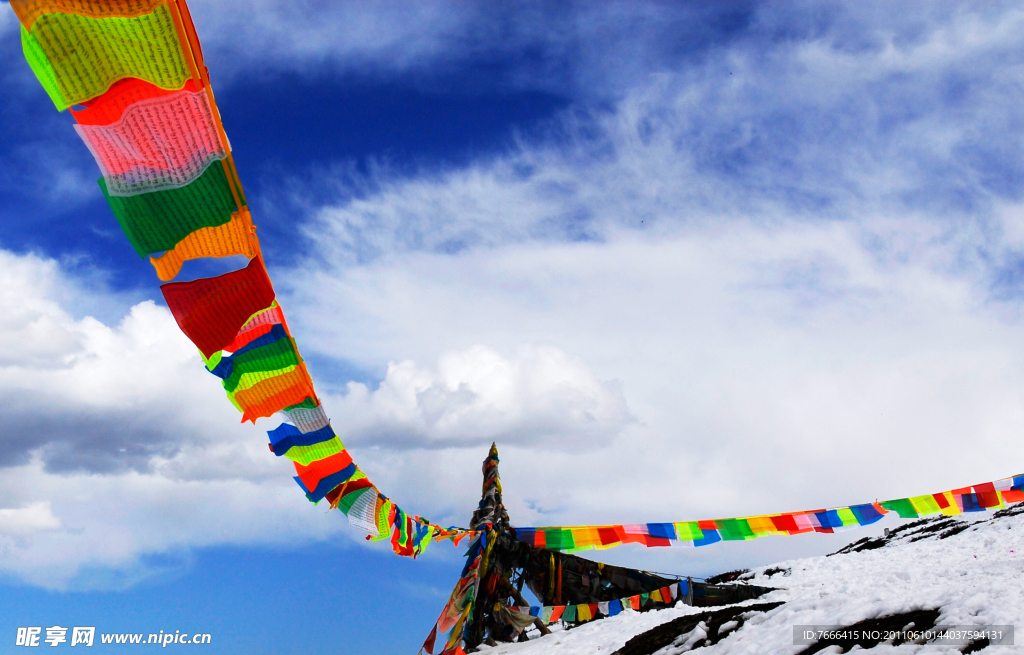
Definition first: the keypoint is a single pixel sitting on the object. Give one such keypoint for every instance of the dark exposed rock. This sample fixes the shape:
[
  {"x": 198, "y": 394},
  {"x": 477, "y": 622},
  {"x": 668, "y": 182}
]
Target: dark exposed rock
[
  {"x": 870, "y": 628},
  {"x": 657, "y": 638},
  {"x": 775, "y": 570},
  {"x": 728, "y": 576}
]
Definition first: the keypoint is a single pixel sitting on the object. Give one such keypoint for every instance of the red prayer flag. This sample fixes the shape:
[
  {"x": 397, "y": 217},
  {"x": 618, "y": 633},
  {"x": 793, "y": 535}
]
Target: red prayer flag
[
  {"x": 556, "y": 613},
  {"x": 784, "y": 523},
  {"x": 428, "y": 645},
  {"x": 608, "y": 536},
  {"x": 210, "y": 311},
  {"x": 316, "y": 471},
  {"x": 941, "y": 500},
  {"x": 1013, "y": 495},
  {"x": 987, "y": 496},
  {"x": 109, "y": 107}
]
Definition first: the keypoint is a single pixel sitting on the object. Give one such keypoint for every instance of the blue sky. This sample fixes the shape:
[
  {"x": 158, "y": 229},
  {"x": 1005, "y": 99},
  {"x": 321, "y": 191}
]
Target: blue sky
[{"x": 680, "y": 262}]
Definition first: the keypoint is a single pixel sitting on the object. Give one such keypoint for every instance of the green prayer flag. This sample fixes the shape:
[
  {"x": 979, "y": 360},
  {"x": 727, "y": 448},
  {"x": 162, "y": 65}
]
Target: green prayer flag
[
  {"x": 274, "y": 356},
  {"x": 734, "y": 529},
  {"x": 156, "y": 222},
  {"x": 925, "y": 505},
  {"x": 558, "y": 539},
  {"x": 903, "y": 507},
  {"x": 77, "y": 58},
  {"x": 847, "y": 516},
  {"x": 689, "y": 531}
]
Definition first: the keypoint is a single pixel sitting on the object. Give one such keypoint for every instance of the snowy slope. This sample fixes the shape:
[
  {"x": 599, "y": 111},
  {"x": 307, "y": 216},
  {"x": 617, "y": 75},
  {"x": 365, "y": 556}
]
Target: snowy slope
[{"x": 970, "y": 570}]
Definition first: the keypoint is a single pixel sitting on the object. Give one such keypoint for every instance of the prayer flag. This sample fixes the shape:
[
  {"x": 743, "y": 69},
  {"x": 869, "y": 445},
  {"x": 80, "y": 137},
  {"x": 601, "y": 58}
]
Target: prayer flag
[
  {"x": 158, "y": 221},
  {"x": 233, "y": 238},
  {"x": 210, "y": 311},
  {"x": 164, "y": 142},
  {"x": 77, "y": 58}
]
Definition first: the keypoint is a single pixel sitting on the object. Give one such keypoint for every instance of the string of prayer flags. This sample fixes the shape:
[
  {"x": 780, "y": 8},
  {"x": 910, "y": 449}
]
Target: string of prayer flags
[
  {"x": 583, "y": 612},
  {"x": 132, "y": 73},
  {"x": 457, "y": 614},
  {"x": 980, "y": 497},
  {"x": 323, "y": 464}
]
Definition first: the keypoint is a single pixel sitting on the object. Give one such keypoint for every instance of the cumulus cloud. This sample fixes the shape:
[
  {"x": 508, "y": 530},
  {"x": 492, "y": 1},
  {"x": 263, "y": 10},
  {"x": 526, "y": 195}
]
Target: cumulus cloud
[
  {"x": 541, "y": 397},
  {"x": 118, "y": 445},
  {"x": 93, "y": 397}
]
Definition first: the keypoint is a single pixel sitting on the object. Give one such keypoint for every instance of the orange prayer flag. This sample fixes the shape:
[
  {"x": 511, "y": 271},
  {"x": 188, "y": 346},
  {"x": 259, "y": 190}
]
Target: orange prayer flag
[{"x": 232, "y": 238}]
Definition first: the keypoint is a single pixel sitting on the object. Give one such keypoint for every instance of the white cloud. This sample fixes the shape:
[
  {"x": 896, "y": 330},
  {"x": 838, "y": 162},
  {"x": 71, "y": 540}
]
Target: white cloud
[
  {"x": 768, "y": 369},
  {"x": 8, "y": 21},
  {"x": 117, "y": 444},
  {"x": 27, "y": 520},
  {"x": 541, "y": 397}
]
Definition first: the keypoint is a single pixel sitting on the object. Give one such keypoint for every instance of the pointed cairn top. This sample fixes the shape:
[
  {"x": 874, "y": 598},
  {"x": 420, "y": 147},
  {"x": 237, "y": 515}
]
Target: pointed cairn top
[{"x": 490, "y": 509}]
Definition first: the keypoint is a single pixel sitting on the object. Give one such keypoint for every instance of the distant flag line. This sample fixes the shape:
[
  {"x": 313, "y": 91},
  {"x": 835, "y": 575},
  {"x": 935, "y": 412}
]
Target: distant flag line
[
  {"x": 977, "y": 498},
  {"x": 132, "y": 74}
]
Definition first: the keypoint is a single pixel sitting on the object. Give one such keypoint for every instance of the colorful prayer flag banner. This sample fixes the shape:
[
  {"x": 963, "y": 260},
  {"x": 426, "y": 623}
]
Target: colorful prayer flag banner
[
  {"x": 133, "y": 73},
  {"x": 980, "y": 497},
  {"x": 583, "y": 612}
]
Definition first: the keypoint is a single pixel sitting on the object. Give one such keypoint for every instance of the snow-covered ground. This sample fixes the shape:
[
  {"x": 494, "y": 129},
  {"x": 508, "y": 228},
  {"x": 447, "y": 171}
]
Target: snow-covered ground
[{"x": 972, "y": 577}]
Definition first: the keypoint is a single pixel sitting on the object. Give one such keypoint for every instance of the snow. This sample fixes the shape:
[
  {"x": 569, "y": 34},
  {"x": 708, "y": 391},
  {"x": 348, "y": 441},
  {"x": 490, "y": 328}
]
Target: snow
[{"x": 975, "y": 577}]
